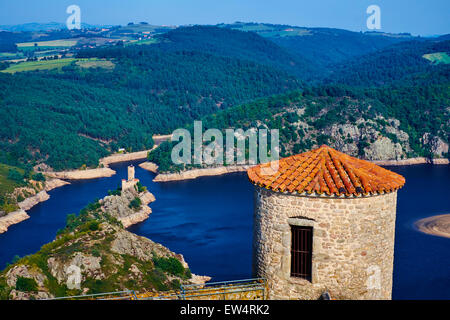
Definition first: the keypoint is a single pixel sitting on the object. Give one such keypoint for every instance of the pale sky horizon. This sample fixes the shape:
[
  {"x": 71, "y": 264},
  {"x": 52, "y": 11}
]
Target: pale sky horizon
[{"x": 418, "y": 17}]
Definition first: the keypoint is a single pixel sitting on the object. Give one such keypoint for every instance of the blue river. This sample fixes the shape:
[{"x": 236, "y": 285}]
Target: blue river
[{"x": 209, "y": 221}]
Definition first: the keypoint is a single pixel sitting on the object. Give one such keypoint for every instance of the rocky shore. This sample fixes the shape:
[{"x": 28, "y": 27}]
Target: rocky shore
[
  {"x": 195, "y": 173},
  {"x": 149, "y": 166},
  {"x": 436, "y": 225},
  {"x": 215, "y": 171},
  {"x": 12, "y": 218},
  {"x": 122, "y": 212},
  {"x": 21, "y": 215},
  {"x": 95, "y": 253},
  {"x": 99, "y": 172},
  {"x": 411, "y": 161}
]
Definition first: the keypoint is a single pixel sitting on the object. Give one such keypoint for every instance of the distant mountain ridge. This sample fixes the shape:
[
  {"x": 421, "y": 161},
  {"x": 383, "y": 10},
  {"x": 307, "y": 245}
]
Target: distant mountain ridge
[
  {"x": 36, "y": 26},
  {"x": 323, "y": 46},
  {"x": 236, "y": 44}
]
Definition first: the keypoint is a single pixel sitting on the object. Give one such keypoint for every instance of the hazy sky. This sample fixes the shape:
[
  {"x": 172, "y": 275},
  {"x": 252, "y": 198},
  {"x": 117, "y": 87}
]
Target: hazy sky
[{"x": 424, "y": 17}]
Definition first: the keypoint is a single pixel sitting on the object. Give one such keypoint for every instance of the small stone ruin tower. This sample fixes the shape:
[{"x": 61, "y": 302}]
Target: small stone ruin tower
[
  {"x": 130, "y": 173},
  {"x": 131, "y": 181},
  {"x": 325, "y": 222}
]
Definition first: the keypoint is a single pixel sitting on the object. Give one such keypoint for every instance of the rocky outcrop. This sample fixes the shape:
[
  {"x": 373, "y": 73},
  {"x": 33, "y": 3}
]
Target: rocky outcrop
[
  {"x": 440, "y": 161},
  {"x": 102, "y": 172},
  {"x": 435, "y": 144},
  {"x": 121, "y": 157},
  {"x": 136, "y": 217},
  {"x": 195, "y": 173},
  {"x": 128, "y": 243},
  {"x": 149, "y": 166},
  {"x": 30, "y": 273},
  {"x": 383, "y": 149},
  {"x": 147, "y": 197},
  {"x": 94, "y": 253},
  {"x": 119, "y": 206},
  {"x": 12, "y": 218},
  {"x": 411, "y": 161},
  {"x": 69, "y": 271},
  {"x": 55, "y": 183},
  {"x": 30, "y": 202},
  {"x": 82, "y": 174}
]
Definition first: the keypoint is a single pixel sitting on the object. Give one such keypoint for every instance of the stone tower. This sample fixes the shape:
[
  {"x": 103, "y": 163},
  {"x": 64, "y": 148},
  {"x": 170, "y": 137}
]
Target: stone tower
[
  {"x": 130, "y": 173},
  {"x": 325, "y": 222},
  {"x": 131, "y": 180}
]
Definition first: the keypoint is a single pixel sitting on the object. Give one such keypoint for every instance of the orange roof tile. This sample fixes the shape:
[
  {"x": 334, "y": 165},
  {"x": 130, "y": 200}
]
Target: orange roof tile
[{"x": 326, "y": 171}]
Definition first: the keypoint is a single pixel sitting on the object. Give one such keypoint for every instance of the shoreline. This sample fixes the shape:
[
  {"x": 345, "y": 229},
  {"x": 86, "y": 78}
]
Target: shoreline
[
  {"x": 411, "y": 162},
  {"x": 21, "y": 214},
  {"x": 436, "y": 225},
  {"x": 104, "y": 172},
  {"x": 143, "y": 214},
  {"x": 220, "y": 170},
  {"x": 202, "y": 172}
]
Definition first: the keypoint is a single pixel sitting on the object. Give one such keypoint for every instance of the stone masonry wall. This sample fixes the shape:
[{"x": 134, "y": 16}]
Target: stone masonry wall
[{"x": 353, "y": 244}]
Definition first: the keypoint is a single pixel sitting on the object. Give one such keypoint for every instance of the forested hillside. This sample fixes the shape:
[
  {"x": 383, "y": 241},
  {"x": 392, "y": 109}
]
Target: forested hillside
[
  {"x": 322, "y": 46},
  {"x": 372, "y": 123},
  {"x": 242, "y": 45},
  {"x": 76, "y": 116},
  {"x": 397, "y": 62},
  {"x": 72, "y": 116}
]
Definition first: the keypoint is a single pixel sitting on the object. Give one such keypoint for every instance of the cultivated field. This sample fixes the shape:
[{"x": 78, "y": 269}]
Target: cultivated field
[
  {"x": 53, "y": 43},
  {"x": 95, "y": 63},
  {"x": 38, "y": 65},
  {"x": 438, "y": 57},
  {"x": 58, "y": 64}
]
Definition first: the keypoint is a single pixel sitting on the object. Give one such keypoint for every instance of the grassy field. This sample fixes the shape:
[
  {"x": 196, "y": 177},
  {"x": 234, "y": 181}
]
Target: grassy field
[
  {"x": 58, "y": 64},
  {"x": 438, "y": 57},
  {"x": 53, "y": 43},
  {"x": 9, "y": 55},
  {"x": 95, "y": 63},
  {"x": 273, "y": 31},
  {"x": 146, "y": 41},
  {"x": 38, "y": 65}
]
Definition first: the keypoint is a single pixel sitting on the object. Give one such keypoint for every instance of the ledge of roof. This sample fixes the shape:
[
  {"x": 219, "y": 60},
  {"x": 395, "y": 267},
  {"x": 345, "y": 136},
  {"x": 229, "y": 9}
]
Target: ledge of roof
[{"x": 326, "y": 172}]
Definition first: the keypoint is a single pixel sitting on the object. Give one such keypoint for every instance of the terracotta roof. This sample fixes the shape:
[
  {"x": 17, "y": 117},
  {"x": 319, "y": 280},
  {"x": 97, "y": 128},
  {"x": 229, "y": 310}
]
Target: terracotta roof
[{"x": 326, "y": 171}]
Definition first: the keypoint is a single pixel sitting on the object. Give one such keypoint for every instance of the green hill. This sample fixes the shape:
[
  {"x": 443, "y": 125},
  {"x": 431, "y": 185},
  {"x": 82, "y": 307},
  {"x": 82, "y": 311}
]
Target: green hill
[
  {"x": 322, "y": 46},
  {"x": 78, "y": 115},
  {"x": 394, "y": 63},
  {"x": 237, "y": 44}
]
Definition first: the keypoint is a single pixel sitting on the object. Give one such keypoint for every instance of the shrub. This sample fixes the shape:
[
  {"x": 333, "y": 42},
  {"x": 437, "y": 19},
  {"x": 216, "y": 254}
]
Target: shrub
[
  {"x": 140, "y": 187},
  {"x": 26, "y": 284},
  {"x": 95, "y": 253},
  {"x": 38, "y": 177},
  {"x": 135, "y": 203},
  {"x": 170, "y": 265},
  {"x": 93, "y": 225},
  {"x": 15, "y": 175}
]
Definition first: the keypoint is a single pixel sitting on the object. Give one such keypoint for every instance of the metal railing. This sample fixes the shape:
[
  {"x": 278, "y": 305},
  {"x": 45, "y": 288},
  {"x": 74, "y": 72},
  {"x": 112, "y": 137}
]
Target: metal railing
[
  {"x": 116, "y": 295},
  {"x": 246, "y": 289}
]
